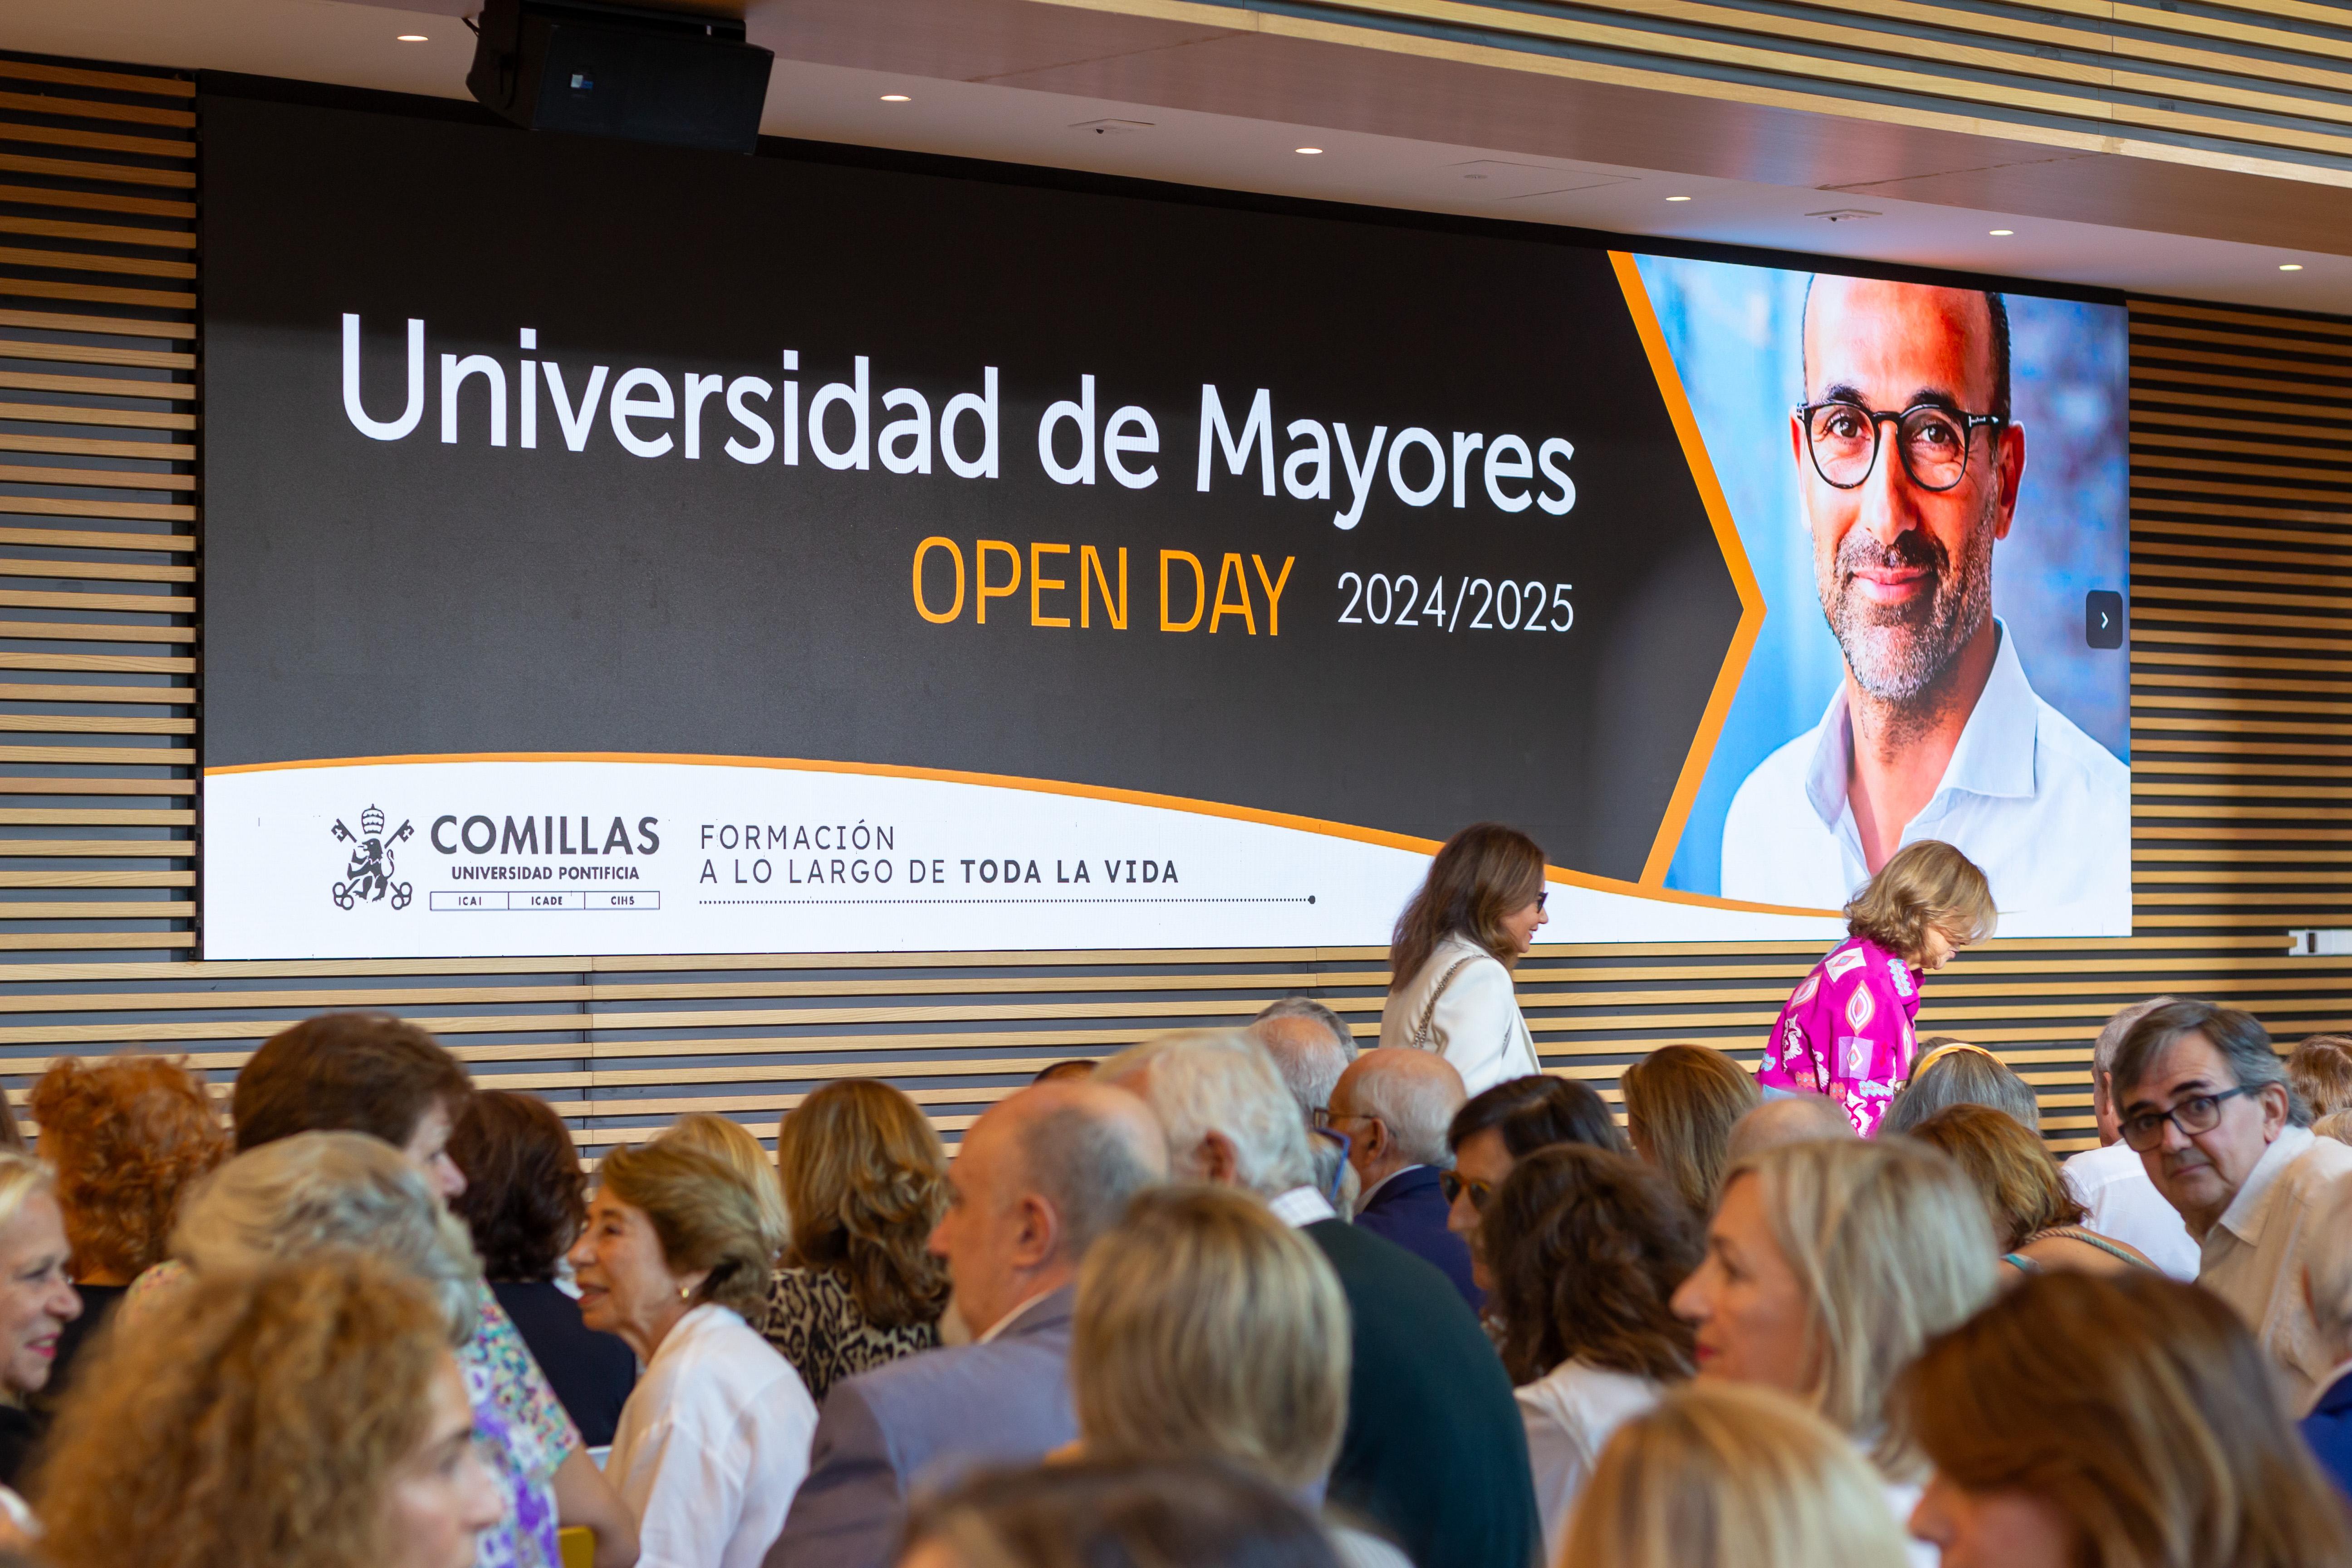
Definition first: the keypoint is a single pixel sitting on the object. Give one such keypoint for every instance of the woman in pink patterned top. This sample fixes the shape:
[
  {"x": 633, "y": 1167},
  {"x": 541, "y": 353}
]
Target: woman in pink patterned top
[{"x": 1846, "y": 1030}]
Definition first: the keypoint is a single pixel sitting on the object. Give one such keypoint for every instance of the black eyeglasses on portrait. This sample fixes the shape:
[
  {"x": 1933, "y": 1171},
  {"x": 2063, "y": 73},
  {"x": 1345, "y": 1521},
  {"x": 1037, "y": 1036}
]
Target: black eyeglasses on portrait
[
  {"x": 1454, "y": 1184},
  {"x": 2144, "y": 1130},
  {"x": 1843, "y": 437}
]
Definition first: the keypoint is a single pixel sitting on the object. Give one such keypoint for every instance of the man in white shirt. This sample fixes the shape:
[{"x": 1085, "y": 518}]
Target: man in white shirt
[
  {"x": 2112, "y": 1182},
  {"x": 1908, "y": 465},
  {"x": 1039, "y": 1176},
  {"x": 2224, "y": 1137}
]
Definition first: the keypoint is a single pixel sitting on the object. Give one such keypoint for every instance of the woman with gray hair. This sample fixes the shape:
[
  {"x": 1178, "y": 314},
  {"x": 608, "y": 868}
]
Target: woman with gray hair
[{"x": 289, "y": 1199}]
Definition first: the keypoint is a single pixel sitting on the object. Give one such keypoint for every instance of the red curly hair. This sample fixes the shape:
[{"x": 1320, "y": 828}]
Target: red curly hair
[{"x": 126, "y": 1136}]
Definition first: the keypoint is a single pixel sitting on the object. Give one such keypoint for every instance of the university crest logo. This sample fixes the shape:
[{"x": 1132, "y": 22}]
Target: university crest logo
[{"x": 370, "y": 874}]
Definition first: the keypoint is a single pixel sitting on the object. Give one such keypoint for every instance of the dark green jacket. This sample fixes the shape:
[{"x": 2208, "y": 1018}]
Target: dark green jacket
[{"x": 1434, "y": 1453}]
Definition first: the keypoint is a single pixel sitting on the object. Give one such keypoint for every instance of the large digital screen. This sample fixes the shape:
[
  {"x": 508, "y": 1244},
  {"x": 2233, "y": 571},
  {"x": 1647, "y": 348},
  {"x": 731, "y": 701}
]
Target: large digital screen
[{"x": 613, "y": 549}]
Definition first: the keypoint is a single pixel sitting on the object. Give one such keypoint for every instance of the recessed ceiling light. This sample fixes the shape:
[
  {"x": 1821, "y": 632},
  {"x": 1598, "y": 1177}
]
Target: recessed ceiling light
[
  {"x": 895, "y": 98},
  {"x": 412, "y": 38},
  {"x": 2000, "y": 233},
  {"x": 2290, "y": 267},
  {"x": 1677, "y": 198},
  {"x": 1309, "y": 151}
]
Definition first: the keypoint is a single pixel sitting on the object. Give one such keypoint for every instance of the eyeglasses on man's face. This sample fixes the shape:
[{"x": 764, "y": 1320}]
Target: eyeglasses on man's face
[
  {"x": 1843, "y": 437},
  {"x": 2144, "y": 1130},
  {"x": 1454, "y": 1184}
]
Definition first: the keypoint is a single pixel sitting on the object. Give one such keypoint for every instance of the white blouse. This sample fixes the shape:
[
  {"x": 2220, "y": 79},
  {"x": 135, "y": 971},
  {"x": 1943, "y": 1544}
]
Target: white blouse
[
  {"x": 1570, "y": 1412},
  {"x": 712, "y": 1445},
  {"x": 1475, "y": 1024}
]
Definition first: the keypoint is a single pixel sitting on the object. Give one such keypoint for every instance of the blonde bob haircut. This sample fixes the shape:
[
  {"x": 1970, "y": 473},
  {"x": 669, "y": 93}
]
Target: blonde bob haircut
[
  {"x": 704, "y": 1216},
  {"x": 286, "y": 1200},
  {"x": 735, "y": 1144},
  {"x": 1925, "y": 884},
  {"x": 1206, "y": 1325},
  {"x": 1891, "y": 1244},
  {"x": 1726, "y": 1475}
]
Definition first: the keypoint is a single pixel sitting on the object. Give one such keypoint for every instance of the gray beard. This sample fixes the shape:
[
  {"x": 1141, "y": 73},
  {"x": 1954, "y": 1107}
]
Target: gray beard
[{"x": 1896, "y": 654}]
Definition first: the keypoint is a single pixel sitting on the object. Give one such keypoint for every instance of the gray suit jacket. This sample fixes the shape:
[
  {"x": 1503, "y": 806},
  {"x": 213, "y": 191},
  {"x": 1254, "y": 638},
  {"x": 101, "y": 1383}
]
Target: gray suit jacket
[{"x": 1007, "y": 1402}]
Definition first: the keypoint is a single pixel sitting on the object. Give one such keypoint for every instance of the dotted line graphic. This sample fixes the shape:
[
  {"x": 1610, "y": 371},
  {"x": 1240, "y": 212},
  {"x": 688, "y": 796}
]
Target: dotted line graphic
[{"x": 724, "y": 903}]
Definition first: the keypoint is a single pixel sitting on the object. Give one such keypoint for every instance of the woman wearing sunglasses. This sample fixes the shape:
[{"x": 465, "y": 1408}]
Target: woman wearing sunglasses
[
  {"x": 1451, "y": 959},
  {"x": 1846, "y": 1029}
]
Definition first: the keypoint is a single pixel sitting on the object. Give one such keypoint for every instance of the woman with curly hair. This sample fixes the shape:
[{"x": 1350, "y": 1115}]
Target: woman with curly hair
[
  {"x": 865, "y": 1180},
  {"x": 126, "y": 1136},
  {"x": 310, "y": 1415},
  {"x": 1587, "y": 1249},
  {"x": 526, "y": 1200}
]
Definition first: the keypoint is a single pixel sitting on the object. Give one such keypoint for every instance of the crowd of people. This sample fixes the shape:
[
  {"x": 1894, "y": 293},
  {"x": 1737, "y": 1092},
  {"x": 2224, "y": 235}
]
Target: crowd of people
[{"x": 1234, "y": 1296}]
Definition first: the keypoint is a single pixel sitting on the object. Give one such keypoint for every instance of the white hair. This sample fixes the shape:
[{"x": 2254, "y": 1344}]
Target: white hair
[
  {"x": 1304, "y": 1052},
  {"x": 1415, "y": 1096},
  {"x": 315, "y": 1190},
  {"x": 1198, "y": 1081}
]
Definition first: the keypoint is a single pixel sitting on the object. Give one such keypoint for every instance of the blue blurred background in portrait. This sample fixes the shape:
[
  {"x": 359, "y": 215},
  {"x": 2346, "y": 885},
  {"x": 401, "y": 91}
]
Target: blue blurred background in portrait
[{"x": 1735, "y": 334}]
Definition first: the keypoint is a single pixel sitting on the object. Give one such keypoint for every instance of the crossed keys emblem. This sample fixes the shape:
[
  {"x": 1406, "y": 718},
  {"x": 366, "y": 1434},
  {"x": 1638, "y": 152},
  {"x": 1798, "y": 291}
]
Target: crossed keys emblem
[{"x": 370, "y": 873}]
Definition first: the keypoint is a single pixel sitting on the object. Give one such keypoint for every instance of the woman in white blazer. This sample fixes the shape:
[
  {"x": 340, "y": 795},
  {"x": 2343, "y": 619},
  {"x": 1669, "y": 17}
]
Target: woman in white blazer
[{"x": 1451, "y": 958}]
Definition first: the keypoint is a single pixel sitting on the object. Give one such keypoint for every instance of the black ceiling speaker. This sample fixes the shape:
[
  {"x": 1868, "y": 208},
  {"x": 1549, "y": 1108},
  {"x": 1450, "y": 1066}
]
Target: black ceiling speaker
[{"x": 631, "y": 71}]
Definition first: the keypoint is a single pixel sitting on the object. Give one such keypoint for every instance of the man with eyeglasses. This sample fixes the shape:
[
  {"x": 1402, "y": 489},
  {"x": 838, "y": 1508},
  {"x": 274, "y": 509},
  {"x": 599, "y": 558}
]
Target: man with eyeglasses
[
  {"x": 2202, "y": 1098},
  {"x": 1908, "y": 465}
]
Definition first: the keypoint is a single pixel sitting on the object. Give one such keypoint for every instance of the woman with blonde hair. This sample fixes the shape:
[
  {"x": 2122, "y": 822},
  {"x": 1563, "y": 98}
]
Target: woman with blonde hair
[
  {"x": 1451, "y": 958},
  {"x": 305, "y": 1415},
  {"x": 1828, "y": 1266},
  {"x": 738, "y": 1147},
  {"x": 2120, "y": 1422},
  {"x": 714, "y": 1440},
  {"x": 1846, "y": 1029},
  {"x": 2037, "y": 1223},
  {"x": 1681, "y": 1103},
  {"x": 867, "y": 1182},
  {"x": 1719, "y": 1477},
  {"x": 1204, "y": 1326},
  {"x": 38, "y": 1302},
  {"x": 127, "y": 1137}
]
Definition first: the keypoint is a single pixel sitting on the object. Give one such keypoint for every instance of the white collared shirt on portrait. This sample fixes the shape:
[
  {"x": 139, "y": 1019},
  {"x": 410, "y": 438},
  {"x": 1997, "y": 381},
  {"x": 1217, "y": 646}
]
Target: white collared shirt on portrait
[{"x": 2042, "y": 807}]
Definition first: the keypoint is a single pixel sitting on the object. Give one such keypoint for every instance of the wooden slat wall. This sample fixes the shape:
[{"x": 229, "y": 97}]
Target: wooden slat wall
[{"x": 2241, "y": 546}]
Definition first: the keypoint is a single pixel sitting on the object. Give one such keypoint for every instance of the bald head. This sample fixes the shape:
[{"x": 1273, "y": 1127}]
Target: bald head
[
  {"x": 1788, "y": 1118},
  {"x": 1411, "y": 1095},
  {"x": 1085, "y": 1148},
  {"x": 1038, "y": 1177}
]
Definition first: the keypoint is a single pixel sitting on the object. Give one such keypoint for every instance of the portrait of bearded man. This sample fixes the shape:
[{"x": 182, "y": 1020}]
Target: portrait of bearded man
[{"x": 1908, "y": 465}]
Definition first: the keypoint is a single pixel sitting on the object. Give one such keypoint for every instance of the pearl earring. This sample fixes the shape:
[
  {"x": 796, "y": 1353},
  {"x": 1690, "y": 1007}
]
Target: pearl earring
[{"x": 684, "y": 1294}]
